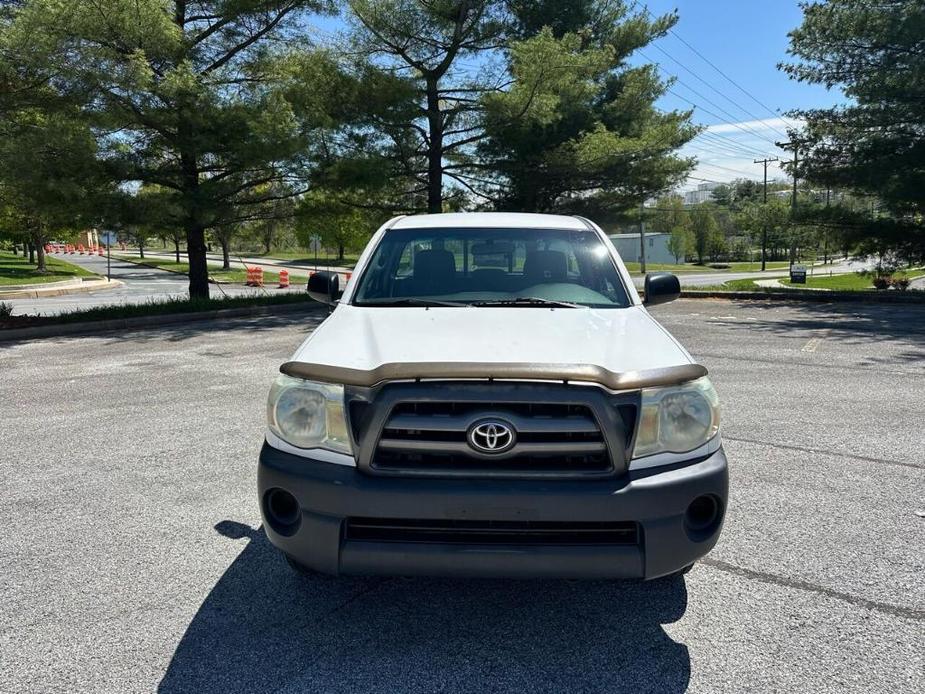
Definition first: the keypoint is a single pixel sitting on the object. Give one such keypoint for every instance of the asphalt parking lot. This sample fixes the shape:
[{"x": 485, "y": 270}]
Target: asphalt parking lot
[{"x": 132, "y": 557}]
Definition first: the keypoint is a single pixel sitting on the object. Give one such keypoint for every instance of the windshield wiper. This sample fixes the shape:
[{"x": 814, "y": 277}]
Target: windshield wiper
[
  {"x": 527, "y": 301},
  {"x": 413, "y": 301}
]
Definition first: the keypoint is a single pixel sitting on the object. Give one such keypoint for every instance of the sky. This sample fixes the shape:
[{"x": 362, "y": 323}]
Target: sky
[
  {"x": 745, "y": 39},
  {"x": 744, "y": 108}
]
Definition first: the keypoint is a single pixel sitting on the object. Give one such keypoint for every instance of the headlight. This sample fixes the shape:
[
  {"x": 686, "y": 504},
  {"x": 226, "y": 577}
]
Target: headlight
[
  {"x": 308, "y": 415},
  {"x": 677, "y": 419}
]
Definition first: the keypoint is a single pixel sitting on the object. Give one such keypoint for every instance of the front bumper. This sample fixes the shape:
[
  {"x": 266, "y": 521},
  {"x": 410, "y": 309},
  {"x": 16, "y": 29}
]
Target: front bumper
[{"x": 328, "y": 494}]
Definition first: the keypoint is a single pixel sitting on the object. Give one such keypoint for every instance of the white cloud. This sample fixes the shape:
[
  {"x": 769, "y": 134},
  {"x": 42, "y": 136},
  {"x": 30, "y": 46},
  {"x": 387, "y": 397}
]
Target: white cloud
[
  {"x": 769, "y": 124},
  {"x": 729, "y": 151}
]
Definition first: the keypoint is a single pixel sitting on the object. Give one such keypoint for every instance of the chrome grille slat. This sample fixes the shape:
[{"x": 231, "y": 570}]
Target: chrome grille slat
[
  {"x": 562, "y": 431},
  {"x": 538, "y": 424},
  {"x": 552, "y": 448}
]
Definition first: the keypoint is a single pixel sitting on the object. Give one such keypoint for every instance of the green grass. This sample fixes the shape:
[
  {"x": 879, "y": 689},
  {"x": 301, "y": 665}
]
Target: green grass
[
  {"x": 159, "y": 307},
  {"x": 663, "y": 267},
  {"x": 307, "y": 257},
  {"x": 849, "y": 282},
  {"x": 730, "y": 286},
  {"x": 236, "y": 275},
  {"x": 18, "y": 270}
]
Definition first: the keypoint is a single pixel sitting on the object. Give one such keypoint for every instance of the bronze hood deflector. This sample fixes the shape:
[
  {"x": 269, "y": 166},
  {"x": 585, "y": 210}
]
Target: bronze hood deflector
[{"x": 586, "y": 373}]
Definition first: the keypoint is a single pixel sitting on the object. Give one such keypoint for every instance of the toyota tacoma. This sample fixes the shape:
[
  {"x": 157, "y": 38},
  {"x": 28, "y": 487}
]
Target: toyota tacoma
[{"x": 490, "y": 397}]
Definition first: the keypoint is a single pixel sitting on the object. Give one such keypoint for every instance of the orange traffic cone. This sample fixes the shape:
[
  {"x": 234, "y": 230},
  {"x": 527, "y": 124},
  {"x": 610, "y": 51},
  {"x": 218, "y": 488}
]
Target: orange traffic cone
[
  {"x": 284, "y": 279},
  {"x": 254, "y": 277}
]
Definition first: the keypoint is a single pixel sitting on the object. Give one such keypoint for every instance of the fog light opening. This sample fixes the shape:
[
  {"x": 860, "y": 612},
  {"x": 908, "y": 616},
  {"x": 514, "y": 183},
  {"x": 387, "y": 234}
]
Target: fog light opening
[
  {"x": 283, "y": 511},
  {"x": 703, "y": 514}
]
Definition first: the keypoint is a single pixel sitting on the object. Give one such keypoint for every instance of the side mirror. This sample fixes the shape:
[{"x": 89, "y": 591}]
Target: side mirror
[
  {"x": 661, "y": 287},
  {"x": 324, "y": 286}
]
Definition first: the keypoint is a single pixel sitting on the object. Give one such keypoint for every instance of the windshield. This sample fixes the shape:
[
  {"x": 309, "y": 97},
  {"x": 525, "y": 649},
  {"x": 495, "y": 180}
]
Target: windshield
[{"x": 491, "y": 267}]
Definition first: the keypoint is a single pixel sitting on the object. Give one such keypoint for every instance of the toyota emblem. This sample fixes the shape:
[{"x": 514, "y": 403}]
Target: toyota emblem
[{"x": 491, "y": 436}]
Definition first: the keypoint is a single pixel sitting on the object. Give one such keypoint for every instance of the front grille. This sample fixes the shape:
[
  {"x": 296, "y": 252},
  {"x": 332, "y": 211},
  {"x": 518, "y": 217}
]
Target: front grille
[
  {"x": 475, "y": 532},
  {"x": 560, "y": 431},
  {"x": 550, "y": 438}
]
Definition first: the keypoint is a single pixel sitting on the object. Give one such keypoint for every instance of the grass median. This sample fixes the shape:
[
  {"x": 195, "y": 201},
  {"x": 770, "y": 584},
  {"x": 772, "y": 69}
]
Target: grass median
[
  {"x": 216, "y": 273},
  {"x": 853, "y": 281},
  {"x": 15, "y": 270},
  {"x": 157, "y": 307}
]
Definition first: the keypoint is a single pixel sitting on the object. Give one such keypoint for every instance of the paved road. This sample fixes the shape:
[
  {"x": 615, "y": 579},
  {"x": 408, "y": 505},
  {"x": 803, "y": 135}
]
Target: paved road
[
  {"x": 141, "y": 284},
  {"x": 132, "y": 558},
  {"x": 300, "y": 268},
  {"x": 713, "y": 278}
]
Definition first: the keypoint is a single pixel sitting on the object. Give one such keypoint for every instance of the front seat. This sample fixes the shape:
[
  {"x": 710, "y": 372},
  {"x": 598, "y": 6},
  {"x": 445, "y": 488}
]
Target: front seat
[{"x": 545, "y": 266}]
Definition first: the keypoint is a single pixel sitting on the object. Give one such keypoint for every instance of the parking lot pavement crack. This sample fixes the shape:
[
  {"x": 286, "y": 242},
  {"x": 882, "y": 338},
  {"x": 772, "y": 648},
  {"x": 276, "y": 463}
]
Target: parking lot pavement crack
[
  {"x": 821, "y": 451},
  {"x": 356, "y": 596},
  {"x": 882, "y": 607}
]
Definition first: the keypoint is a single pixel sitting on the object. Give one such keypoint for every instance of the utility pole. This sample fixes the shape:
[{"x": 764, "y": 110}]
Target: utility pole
[
  {"x": 793, "y": 200},
  {"x": 764, "y": 230},
  {"x": 642, "y": 237}
]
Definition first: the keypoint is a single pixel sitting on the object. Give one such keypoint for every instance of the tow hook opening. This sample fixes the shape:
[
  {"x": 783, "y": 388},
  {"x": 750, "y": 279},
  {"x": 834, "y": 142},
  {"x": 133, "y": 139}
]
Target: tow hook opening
[
  {"x": 703, "y": 517},
  {"x": 282, "y": 511}
]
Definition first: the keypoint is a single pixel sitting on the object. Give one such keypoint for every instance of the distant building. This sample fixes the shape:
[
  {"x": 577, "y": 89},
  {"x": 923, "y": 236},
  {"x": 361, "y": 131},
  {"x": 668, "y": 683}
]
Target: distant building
[
  {"x": 703, "y": 193},
  {"x": 656, "y": 248}
]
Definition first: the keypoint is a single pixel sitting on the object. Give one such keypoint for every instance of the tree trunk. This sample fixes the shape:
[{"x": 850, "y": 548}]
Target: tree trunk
[
  {"x": 38, "y": 242},
  {"x": 141, "y": 249},
  {"x": 435, "y": 149},
  {"x": 267, "y": 242},
  {"x": 176, "y": 245},
  {"x": 340, "y": 251},
  {"x": 196, "y": 255},
  {"x": 31, "y": 247},
  {"x": 226, "y": 259},
  {"x": 195, "y": 230}
]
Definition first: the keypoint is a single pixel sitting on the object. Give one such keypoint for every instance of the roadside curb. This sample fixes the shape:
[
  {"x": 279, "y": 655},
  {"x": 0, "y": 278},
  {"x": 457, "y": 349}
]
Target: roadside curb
[
  {"x": 61, "y": 288},
  {"x": 104, "y": 326},
  {"x": 880, "y": 297}
]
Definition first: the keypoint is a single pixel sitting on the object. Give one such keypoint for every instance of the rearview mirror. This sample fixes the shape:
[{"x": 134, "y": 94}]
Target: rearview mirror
[
  {"x": 324, "y": 286},
  {"x": 660, "y": 288}
]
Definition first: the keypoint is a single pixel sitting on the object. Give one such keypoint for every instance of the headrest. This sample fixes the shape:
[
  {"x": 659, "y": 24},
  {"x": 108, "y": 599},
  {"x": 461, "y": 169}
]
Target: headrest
[
  {"x": 546, "y": 266},
  {"x": 434, "y": 264}
]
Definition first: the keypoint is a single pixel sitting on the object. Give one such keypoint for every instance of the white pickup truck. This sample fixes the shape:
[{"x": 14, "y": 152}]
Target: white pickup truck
[{"x": 490, "y": 397}]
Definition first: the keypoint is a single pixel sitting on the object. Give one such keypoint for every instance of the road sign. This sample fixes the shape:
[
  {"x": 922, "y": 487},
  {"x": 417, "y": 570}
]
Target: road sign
[
  {"x": 108, "y": 238},
  {"x": 314, "y": 243},
  {"x": 797, "y": 274}
]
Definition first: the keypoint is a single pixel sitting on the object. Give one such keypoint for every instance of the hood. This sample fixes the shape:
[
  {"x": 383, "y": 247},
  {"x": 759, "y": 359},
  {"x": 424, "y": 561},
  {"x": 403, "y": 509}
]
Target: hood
[{"x": 617, "y": 340}]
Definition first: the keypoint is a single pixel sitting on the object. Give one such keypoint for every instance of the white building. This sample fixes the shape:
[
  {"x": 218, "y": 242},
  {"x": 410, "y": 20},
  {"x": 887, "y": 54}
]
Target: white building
[
  {"x": 627, "y": 246},
  {"x": 703, "y": 193}
]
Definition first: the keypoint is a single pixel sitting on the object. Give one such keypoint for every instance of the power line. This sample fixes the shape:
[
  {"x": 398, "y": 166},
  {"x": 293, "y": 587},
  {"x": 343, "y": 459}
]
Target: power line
[
  {"x": 722, "y": 140},
  {"x": 706, "y": 110},
  {"x": 718, "y": 148},
  {"x": 703, "y": 96},
  {"x": 726, "y": 168},
  {"x": 742, "y": 89}
]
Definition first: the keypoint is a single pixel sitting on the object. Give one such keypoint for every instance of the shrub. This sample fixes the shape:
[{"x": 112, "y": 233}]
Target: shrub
[
  {"x": 901, "y": 283},
  {"x": 6, "y": 309},
  {"x": 882, "y": 282}
]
